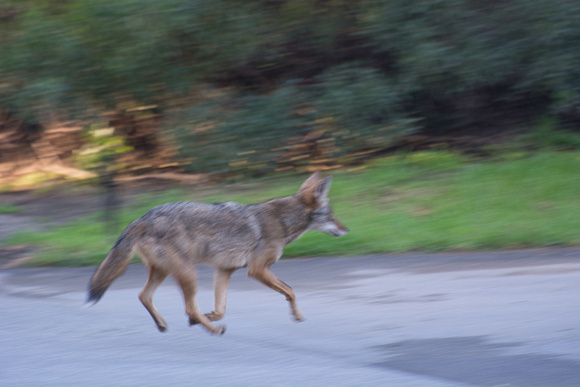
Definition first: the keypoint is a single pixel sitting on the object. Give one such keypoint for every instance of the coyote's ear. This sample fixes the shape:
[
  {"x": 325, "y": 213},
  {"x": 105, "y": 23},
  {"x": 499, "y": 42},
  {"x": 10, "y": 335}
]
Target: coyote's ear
[
  {"x": 317, "y": 194},
  {"x": 313, "y": 179},
  {"x": 322, "y": 189}
]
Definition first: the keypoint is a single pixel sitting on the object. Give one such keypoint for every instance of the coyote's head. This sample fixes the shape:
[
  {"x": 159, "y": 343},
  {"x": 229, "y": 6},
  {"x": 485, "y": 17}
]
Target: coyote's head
[{"x": 314, "y": 193}]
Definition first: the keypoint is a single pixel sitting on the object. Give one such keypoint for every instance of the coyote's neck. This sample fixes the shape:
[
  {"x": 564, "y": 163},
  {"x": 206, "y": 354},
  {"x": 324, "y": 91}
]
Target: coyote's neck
[{"x": 284, "y": 218}]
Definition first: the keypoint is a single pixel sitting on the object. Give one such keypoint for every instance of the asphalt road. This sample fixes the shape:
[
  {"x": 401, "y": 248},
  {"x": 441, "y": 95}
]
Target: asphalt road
[{"x": 478, "y": 319}]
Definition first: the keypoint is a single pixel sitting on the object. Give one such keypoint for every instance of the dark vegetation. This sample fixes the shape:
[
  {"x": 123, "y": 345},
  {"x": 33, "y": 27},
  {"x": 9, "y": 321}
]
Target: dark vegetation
[{"x": 244, "y": 87}]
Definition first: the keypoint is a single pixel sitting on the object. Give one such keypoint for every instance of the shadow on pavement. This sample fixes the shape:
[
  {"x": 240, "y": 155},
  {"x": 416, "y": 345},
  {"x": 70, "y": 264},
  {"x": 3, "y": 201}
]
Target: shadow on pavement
[{"x": 475, "y": 361}]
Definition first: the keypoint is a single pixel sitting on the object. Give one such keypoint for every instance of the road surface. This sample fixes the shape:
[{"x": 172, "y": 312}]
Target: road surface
[{"x": 474, "y": 319}]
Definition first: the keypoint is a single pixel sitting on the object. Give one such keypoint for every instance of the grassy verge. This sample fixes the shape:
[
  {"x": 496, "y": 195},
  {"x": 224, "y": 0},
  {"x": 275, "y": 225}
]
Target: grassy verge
[
  {"x": 426, "y": 201},
  {"x": 9, "y": 209}
]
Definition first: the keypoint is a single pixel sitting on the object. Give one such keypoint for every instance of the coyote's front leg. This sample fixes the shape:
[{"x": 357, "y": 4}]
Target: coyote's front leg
[
  {"x": 263, "y": 274},
  {"x": 221, "y": 280}
]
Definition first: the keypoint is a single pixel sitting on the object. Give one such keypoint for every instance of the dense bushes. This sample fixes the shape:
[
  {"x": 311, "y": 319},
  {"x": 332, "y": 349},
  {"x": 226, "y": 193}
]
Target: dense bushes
[
  {"x": 350, "y": 110},
  {"x": 346, "y": 76}
]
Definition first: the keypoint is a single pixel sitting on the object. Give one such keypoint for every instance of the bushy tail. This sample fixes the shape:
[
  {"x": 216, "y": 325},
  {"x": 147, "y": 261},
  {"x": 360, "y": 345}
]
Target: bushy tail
[{"x": 112, "y": 267}]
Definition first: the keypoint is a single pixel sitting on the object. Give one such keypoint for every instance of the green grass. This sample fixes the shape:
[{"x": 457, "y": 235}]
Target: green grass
[
  {"x": 428, "y": 201},
  {"x": 9, "y": 209}
]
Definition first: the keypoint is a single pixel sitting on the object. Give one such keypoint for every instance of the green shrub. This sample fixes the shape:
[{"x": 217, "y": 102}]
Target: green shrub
[
  {"x": 546, "y": 133},
  {"x": 350, "y": 110},
  {"x": 365, "y": 71},
  {"x": 246, "y": 137}
]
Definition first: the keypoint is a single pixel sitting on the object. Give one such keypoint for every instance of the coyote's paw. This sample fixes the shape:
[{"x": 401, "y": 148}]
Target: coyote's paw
[
  {"x": 214, "y": 330},
  {"x": 161, "y": 328},
  {"x": 219, "y": 330},
  {"x": 213, "y": 316}
]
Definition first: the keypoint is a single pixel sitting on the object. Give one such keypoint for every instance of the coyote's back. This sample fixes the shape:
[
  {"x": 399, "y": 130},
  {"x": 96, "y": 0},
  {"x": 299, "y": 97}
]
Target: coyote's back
[{"x": 174, "y": 238}]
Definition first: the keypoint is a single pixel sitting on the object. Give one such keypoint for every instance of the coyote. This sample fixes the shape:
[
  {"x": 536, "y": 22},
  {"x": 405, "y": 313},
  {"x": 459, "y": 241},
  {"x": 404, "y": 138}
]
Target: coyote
[{"x": 174, "y": 238}]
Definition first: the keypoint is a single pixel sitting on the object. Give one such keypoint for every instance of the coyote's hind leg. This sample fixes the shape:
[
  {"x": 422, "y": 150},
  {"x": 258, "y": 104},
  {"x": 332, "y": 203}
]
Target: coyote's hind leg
[
  {"x": 156, "y": 277},
  {"x": 187, "y": 283}
]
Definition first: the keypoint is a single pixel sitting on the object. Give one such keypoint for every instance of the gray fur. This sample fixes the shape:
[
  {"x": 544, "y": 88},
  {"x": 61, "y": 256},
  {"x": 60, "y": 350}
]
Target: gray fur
[{"x": 173, "y": 238}]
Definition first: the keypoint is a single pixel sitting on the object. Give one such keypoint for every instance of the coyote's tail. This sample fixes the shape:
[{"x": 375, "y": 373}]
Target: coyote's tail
[{"x": 113, "y": 266}]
